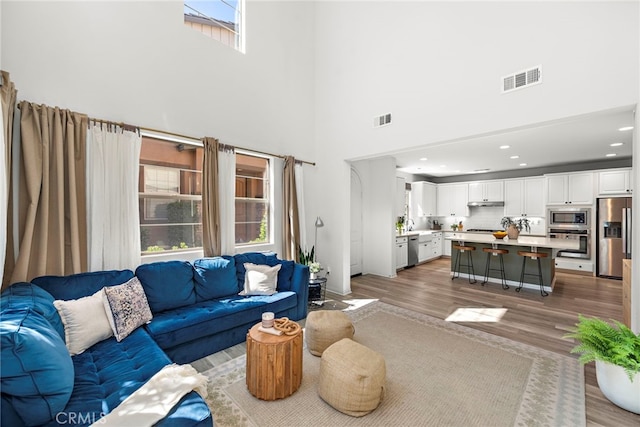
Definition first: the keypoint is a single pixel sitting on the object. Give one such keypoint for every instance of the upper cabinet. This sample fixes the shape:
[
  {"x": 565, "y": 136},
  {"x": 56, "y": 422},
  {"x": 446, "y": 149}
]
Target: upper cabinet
[
  {"x": 524, "y": 197},
  {"x": 616, "y": 181},
  {"x": 570, "y": 189},
  {"x": 423, "y": 199},
  {"x": 453, "y": 199},
  {"x": 486, "y": 191},
  {"x": 401, "y": 199}
]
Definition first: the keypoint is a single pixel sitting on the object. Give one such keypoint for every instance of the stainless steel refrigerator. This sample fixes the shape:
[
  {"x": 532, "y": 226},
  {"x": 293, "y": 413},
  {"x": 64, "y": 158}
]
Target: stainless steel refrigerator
[{"x": 614, "y": 235}]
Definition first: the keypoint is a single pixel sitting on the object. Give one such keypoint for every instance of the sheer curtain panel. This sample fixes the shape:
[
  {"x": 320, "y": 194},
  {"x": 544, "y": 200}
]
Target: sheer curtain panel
[
  {"x": 8, "y": 100},
  {"x": 52, "y": 227},
  {"x": 113, "y": 162},
  {"x": 226, "y": 198}
]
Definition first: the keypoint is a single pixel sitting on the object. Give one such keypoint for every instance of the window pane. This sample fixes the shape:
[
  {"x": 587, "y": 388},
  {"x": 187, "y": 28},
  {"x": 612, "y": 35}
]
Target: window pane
[
  {"x": 221, "y": 20},
  {"x": 170, "y": 196},
  {"x": 252, "y": 202}
]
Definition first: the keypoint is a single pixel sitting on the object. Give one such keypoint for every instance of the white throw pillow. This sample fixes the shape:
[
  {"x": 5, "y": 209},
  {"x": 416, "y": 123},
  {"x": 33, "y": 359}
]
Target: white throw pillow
[
  {"x": 85, "y": 322},
  {"x": 260, "y": 279}
]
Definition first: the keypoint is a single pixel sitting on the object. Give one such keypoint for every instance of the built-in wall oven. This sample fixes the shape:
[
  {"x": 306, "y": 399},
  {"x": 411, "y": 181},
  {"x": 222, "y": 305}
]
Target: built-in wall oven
[{"x": 574, "y": 224}]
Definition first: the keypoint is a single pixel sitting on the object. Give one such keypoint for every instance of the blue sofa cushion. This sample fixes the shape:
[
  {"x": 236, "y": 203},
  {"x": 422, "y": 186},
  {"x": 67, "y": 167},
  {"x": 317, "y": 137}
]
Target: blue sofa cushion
[
  {"x": 167, "y": 284},
  {"x": 215, "y": 278},
  {"x": 109, "y": 371},
  {"x": 81, "y": 285},
  {"x": 270, "y": 259},
  {"x": 175, "y": 327},
  {"x": 37, "y": 372},
  {"x": 25, "y": 294}
]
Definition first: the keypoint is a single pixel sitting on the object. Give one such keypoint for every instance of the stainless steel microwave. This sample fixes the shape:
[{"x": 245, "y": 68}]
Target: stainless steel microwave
[{"x": 572, "y": 218}]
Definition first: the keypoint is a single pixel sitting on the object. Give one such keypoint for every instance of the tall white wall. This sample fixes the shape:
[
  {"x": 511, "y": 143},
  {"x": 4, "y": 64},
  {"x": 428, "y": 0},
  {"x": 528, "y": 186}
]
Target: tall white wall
[
  {"x": 135, "y": 61},
  {"x": 437, "y": 67}
]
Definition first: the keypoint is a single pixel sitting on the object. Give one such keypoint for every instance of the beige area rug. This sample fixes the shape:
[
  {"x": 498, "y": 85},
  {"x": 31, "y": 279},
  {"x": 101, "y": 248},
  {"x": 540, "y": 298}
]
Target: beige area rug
[{"x": 438, "y": 374}]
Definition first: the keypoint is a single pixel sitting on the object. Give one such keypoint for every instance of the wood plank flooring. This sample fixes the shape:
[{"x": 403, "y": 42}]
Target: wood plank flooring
[{"x": 530, "y": 318}]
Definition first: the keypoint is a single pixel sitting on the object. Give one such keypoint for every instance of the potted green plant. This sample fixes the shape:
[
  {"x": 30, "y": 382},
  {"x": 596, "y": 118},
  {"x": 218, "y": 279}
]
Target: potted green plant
[
  {"x": 513, "y": 226},
  {"x": 616, "y": 352}
]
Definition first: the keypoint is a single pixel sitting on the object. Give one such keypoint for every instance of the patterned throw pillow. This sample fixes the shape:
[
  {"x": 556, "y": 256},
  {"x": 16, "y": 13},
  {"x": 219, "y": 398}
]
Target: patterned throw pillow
[
  {"x": 260, "y": 279},
  {"x": 127, "y": 307}
]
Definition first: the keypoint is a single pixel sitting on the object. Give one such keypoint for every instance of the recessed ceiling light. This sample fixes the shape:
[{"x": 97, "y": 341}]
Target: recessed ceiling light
[
  {"x": 443, "y": 166},
  {"x": 611, "y": 155},
  {"x": 423, "y": 158},
  {"x": 523, "y": 164},
  {"x": 616, "y": 144},
  {"x": 504, "y": 147},
  {"x": 625, "y": 128},
  {"x": 514, "y": 157}
]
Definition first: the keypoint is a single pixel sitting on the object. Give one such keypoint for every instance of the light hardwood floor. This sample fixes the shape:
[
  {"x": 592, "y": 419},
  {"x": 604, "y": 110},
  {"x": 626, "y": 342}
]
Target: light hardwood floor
[{"x": 530, "y": 318}]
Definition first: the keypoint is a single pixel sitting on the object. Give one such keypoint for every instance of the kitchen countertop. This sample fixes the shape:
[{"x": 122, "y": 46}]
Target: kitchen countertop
[
  {"x": 523, "y": 240},
  {"x": 417, "y": 232}
]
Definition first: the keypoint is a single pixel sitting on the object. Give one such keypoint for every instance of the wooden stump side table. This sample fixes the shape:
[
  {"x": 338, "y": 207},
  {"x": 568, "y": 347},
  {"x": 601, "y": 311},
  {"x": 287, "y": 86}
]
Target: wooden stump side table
[{"x": 274, "y": 364}]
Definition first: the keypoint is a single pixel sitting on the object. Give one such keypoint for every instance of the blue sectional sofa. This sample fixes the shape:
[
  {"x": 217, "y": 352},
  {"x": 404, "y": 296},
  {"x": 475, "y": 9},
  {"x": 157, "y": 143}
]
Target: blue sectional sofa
[{"x": 196, "y": 311}]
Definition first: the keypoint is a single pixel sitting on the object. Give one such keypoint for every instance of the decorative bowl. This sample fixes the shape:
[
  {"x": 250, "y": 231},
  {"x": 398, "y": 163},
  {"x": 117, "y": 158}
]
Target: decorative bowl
[{"x": 499, "y": 234}]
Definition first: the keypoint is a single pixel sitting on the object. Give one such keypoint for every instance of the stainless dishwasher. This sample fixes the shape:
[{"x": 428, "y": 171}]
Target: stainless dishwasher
[{"x": 414, "y": 246}]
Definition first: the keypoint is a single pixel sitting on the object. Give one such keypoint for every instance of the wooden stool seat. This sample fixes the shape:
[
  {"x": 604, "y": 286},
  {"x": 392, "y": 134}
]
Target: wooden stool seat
[
  {"x": 495, "y": 251},
  {"x": 533, "y": 255},
  {"x": 461, "y": 249},
  {"x": 536, "y": 256},
  {"x": 491, "y": 252}
]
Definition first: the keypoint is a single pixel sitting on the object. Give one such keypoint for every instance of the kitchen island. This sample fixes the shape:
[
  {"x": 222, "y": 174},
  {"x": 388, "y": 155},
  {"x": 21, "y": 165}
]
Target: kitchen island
[{"x": 512, "y": 261}]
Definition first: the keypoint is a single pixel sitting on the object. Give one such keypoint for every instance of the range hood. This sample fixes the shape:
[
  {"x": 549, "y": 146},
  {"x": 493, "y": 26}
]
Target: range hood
[{"x": 485, "y": 203}]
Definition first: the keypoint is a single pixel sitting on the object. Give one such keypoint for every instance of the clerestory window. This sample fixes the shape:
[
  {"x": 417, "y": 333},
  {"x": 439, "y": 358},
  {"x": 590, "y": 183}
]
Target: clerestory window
[{"x": 222, "y": 20}]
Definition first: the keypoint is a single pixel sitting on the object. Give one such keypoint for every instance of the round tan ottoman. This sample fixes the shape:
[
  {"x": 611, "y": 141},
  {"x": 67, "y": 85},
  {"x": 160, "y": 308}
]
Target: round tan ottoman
[
  {"x": 352, "y": 378},
  {"x": 325, "y": 327}
]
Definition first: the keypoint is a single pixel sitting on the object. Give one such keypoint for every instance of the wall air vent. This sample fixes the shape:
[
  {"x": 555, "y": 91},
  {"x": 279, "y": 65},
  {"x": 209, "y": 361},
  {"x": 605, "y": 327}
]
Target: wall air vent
[
  {"x": 382, "y": 120},
  {"x": 524, "y": 78}
]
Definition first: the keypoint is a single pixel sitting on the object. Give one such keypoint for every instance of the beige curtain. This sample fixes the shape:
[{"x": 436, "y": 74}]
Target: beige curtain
[
  {"x": 8, "y": 95},
  {"x": 52, "y": 203},
  {"x": 291, "y": 227},
  {"x": 211, "y": 240}
]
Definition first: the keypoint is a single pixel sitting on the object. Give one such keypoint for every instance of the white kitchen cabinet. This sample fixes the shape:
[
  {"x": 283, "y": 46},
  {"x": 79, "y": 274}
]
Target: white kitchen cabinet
[
  {"x": 446, "y": 244},
  {"x": 486, "y": 191},
  {"x": 423, "y": 199},
  {"x": 430, "y": 246},
  {"x": 452, "y": 199},
  {"x": 570, "y": 189},
  {"x": 424, "y": 250},
  {"x": 402, "y": 252},
  {"x": 400, "y": 196},
  {"x": 524, "y": 197},
  {"x": 436, "y": 245},
  {"x": 616, "y": 181}
]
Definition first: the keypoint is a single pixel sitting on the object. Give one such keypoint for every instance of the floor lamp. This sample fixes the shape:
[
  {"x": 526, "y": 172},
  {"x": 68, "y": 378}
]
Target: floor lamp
[{"x": 319, "y": 224}]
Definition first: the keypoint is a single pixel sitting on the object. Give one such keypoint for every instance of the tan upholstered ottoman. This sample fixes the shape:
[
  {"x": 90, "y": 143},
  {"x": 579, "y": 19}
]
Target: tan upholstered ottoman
[
  {"x": 325, "y": 327},
  {"x": 352, "y": 378}
]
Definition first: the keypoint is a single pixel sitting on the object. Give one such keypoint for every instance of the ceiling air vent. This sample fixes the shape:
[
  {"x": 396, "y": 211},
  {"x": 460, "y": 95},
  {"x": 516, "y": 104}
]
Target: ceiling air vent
[
  {"x": 522, "y": 79},
  {"x": 382, "y": 120}
]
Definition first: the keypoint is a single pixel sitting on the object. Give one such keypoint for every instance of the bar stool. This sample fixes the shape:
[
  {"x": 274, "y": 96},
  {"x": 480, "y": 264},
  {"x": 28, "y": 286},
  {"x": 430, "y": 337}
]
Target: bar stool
[
  {"x": 534, "y": 256},
  {"x": 461, "y": 249},
  {"x": 494, "y": 252}
]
